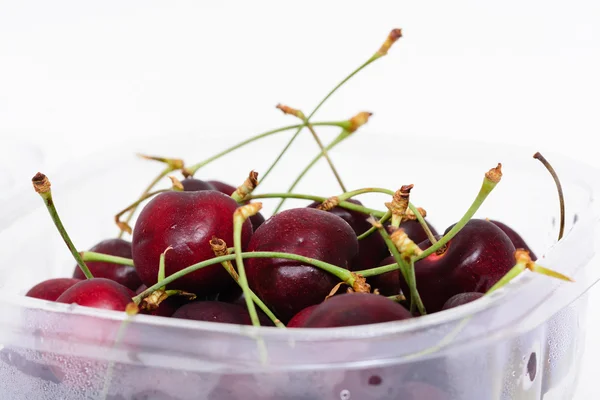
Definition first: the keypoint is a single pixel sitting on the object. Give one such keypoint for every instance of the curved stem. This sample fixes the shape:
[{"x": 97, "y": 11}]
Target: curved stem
[
  {"x": 326, "y": 155},
  {"x": 341, "y": 273},
  {"x": 561, "y": 197},
  {"x": 424, "y": 225},
  {"x": 92, "y": 256},
  {"x": 377, "y": 270},
  {"x": 41, "y": 185},
  {"x": 154, "y": 182},
  {"x": 194, "y": 168},
  {"x": 384, "y": 218},
  {"x": 124, "y": 225},
  {"x": 354, "y": 193},
  {"x": 239, "y": 218}
]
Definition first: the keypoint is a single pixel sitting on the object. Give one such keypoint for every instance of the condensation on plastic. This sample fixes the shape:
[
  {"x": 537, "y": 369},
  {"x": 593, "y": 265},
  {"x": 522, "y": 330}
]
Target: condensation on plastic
[{"x": 525, "y": 342}]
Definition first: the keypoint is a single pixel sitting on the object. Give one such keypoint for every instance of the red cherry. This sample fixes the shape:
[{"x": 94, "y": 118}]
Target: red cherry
[
  {"x": 257, "y": 219},
  {"x": 98, "y": 293},
  {"x": 288, "y": 286},
  {"x": 415, "y": 231},
  {"x": 299, "y": 319},
  {"x": 460, "y": 299},
  {"x": 474, "y": 260},
  {"x": 372, "y": 249},
  {"x": 195, "y": 185},
  {"x": 186, "y": 221},
  {"x": 515, "y": 238},
  {"x": 355, "y": 309},
  {"x": 166, "y": 308},
  {"x": 216, "y": 311},
  {"x": 388, "y": 284},
  {"x": 123, "y": 274},
  {"x": 51, "y": 289}
]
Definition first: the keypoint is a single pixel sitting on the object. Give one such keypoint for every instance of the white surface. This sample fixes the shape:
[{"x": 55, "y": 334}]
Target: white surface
[{"x": 80, "y": 76}]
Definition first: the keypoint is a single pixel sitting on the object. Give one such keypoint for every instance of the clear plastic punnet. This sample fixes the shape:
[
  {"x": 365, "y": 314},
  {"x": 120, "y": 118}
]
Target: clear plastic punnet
[{"x": 524, "y": 342}]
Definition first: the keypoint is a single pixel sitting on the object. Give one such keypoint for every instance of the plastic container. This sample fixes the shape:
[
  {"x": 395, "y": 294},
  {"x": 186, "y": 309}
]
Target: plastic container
[{"x": 524, "y": 342}]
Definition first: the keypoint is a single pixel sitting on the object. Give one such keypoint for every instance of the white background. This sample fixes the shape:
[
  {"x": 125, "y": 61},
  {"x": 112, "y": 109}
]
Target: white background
[{"x": 77, "y": 77}]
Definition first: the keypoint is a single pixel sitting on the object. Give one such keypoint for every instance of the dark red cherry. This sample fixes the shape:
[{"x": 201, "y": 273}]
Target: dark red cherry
[
  {"x": 372, "y": 249},
  {"x": 388, "y": 284},
  {"x": 474, "y": 260},
  {"x": 216, "y": 311},
  {"x": 515, "y": 238},
  {"x": 461, "y": 298},
  {"x": 299, "y": 319},
  {"x": 257, "y": 219},
  {"x": 355, "y": 309},
  {"x": 288, "y": 286},
  {"x": 166, "y": 308},
  {"x": 51, "y": 289},
  {"x": 194, "y": 185},
  {"x": 415, "y": 231},
  {"x": 186, "y": 221},
  {"x": 98, "y": 293},
  {"x": 123, "y": 274}
]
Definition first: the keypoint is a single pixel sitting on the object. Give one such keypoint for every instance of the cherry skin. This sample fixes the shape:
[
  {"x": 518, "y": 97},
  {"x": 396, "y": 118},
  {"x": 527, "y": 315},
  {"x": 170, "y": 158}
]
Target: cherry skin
[
  {"x": 461, "y": 298},
  {"x": 257, "y": 219},
  {"x": 288, "y": 286},
  {"x": 299, "y": 319},
  {"x": 216, "y": 311},
  {"x": 355, "y": 309},
  {"x": 51, "y": 289},
  {"x": 372, "y": 249},
  {"x": 515, "y": 238},
  {"x": 98, "y": 293},
  {"x": 123, "y": 274},
  {"x": 166, "y": 308},
  {"x": 388, "y": 284},
  {"x": 415, "y": 231},
  {"x": 186, "y": 221},
  {"x": 474, "y": 260},
  {"x": 194, "y": 185}
]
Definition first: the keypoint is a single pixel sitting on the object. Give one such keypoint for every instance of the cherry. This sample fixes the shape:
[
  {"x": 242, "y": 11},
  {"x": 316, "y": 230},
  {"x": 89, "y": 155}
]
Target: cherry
[
  {"x": 473, "y": 261},
  {"x": 186, "y": 221},
  {"x": 355, "y": 309},
  {"x": 51, "y": 289},
  {"x": 216, "y": 311},
  {"x": 123, "y": 274},
  {"x": 460, "y": 299},
  {"x": 371, "y": 249},
  {"x": 515, "y": 238},
  {"x": 195, "y": 185},
  {"x": 388, "y": 283},
  {"x": 415, "y": 231},
  {"x": 299, "y": 319},
  {"x": 166, "y": 308},
  {"x": 98, "y": 293},
  {"x": 288, "y": 286},
  {"x": 257, "y": 219}
]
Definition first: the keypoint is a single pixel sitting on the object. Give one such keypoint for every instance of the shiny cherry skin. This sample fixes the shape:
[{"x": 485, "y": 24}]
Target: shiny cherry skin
[
  {"x": 474, "y": 260},
  {"x": 123, "y": 274},
  {"x": 51, "y": 289},
  {"x": 166, "y": 308},
  {"x": 372, "y": 249},
  {"x": 288, "y": 286},
  {"x": 98, "y": 293},
  {"x": 257, "y": 219},
  {"x": 299, "y": 319},
  {"x": 460, "y": 299},
  {"x": 415, "y": 231},
  {"x": 186, "y": 221},
  {"x": 515, "y": 238},
  {"x": 216, "y": 311},
  {"x": 355, "y": 309},
  {"x": 194, "y": 185}
]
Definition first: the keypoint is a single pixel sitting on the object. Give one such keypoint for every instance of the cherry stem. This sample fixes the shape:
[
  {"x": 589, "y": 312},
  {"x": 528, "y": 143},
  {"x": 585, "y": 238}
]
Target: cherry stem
[
  {"x": 41, "y": 184},
  {"x": 124, "y": 225},
  {"x": 161, "y": 267},
  {"x": 341, "y": 273},
  {"x": 424, "y": 225},
  {"x": 561, "y": 197},
  {"x": 486, "y": 188},
  {"x": 165, "y": 172},
  {"x": 190, "y": 171},
  {"x": 343, "y": 204},
  {"x": 397, "y": 298},
  {"x": 407, "y": 270},
  {"x": 372, "y": 229},
  {"x": 92, "y": 256}
]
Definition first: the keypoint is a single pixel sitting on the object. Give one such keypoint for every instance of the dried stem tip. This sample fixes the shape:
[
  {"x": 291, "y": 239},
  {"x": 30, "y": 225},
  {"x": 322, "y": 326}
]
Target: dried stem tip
[
  {"x": 131, "y": 309},
  {"x": 399, "y": 204},
  {"x": 218, "y": 246},
  {"x": 393, "y": 36},
  {"x": 41, "y": 183},
  {"x": 404, "y": 244},
  {"x": 359, "y": 120},
  {"x": 246, "y": 188},
  {"x": 329, "y": 204},
  {"x": 247, "y": 211},
  {"x": 360, "y": 284},
  {"x": 176, "y": 184},
  {"x": 522, "y": 257},
  {"x": 410, "y": 216},
  {"x": 291, "y": 111},
  {"x": 494, "y": 174},
  {"x": 174, "y": 163}
]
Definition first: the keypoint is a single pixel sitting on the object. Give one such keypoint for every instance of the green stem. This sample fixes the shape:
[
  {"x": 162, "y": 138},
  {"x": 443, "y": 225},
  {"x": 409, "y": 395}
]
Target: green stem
[
  {"x": 354, "y": 193},
  {"x": 326, "y": 155},
  {"x": 510, "y": 275},
  {"x": 92, "y": 256},
  {"x": 384, "y": 218},
  {"x": 424, "y": 225},
  {"x": 194, "y": 168},
  {"x": 133, "y": 206},
  {"x": 341, "y": 273},
  {"x": 154, "y": 182},
  {"x": 238, "y": 221},
  {"x": 486, "y": 189},
  {"x": 377, "y": 270}
]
